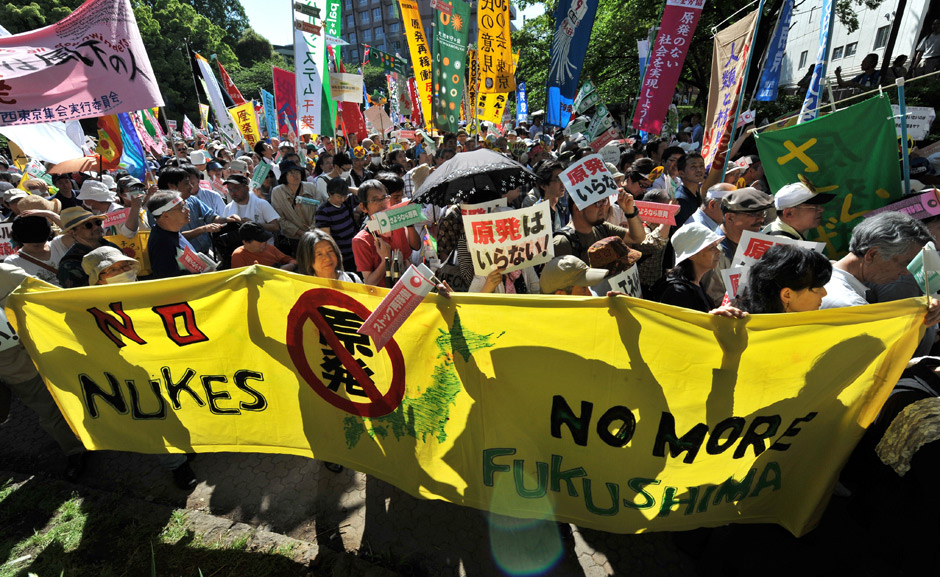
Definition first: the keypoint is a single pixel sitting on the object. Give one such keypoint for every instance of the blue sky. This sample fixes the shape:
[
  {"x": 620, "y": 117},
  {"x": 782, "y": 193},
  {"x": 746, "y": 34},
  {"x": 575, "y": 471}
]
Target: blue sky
[{"x": 272, "y": 18}]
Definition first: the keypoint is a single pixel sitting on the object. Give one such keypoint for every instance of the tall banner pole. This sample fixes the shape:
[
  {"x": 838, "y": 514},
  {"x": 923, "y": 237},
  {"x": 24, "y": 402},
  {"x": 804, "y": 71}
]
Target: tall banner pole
[{"x": 905, "y": 159}]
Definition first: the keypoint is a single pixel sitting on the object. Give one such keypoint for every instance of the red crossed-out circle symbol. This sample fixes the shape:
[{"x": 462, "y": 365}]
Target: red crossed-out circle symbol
[{"x": 305, "y": 309}]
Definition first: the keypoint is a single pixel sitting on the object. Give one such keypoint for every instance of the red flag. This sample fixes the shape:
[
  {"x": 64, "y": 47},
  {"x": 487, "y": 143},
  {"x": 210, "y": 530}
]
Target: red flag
[
  {"x": 237, "y": 97},
  {"x": 352, "y": 116},
  {"x": 110, "y": 145},
  {"x": 365, "y": 56}
]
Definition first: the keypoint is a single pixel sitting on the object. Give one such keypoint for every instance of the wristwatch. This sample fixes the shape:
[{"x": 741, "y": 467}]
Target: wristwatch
[{"x": 635, "y": 213}]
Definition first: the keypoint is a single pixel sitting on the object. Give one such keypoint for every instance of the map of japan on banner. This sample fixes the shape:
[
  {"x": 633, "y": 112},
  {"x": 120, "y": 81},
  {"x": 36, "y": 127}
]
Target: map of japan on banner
[
  {"x": 91, "y": 63},
  {"x": 680, "y": 18},
  {"x": 476, "y": 398},
  {"x": 825, "y": 152}
]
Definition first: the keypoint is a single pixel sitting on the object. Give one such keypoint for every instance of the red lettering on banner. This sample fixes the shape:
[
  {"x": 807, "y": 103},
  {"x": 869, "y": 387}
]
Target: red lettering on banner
[
  {"x": 107, "y": 324},
  {"x": 757, "y": 248},
  {"x": 169, "y": 314}
]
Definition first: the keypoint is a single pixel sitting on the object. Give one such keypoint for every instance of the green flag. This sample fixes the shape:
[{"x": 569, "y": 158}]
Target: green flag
[
  {"x": 331, "y": 27},
  {"x": 450, "y": 52},
  {"x": 852, "y": 153}
]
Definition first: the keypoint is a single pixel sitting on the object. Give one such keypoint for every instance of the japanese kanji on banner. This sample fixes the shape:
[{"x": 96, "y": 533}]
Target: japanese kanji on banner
[
  {"x": 450, "y": 53},
  {"x": 285, "y": 96},
  {"x": 729, "y": 57},
  {"x": 680, "y": 18},
  {"x": 310, "y": 70},
  {"x": 91, "y": 63},
  {"x": 331, "y": 25},
  {"x": 825, "y": 153},
  {"x": 420, "y": 56},
  {"x": 588, "y": 181},
  {"x": 247, "y": 122},
  {"x": 494, "y": 49},
  {"x": 510, "y": 239},
  {"x": 753, "y": 245}
]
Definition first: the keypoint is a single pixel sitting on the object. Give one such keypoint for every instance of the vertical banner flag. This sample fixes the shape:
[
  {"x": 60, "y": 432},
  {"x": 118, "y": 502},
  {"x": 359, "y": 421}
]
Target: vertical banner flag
[
  {"x": 770, "y": 77},
  {"x": 331, "y": 27},
  {"x": 110, "y": 145},
  {"x": 247, "y": 121},
  {"x": 494, "y": 49},
  {"x": 522, "y": 104},
  {"x": 450, "y": 53},
  {"x": 230, "y": 87},
  {"x": 680, "y": 18},
  {"x": 285, "y": 95},
  {"x": 145, "y": 138},
  {"x": 729, "y": 57},
  {"x": 224, "y": 123},
  {"x": 822, "y": 154},
  {"x": 188, "y": 128},
  {"x": 91, "y": 63},
  {"x": 310, "y": 68},
  {"x": 420, "y": 56},
  {"x": 391, "y": 81},
  {"x": 811, "y": 102},
  {"x": 270, "y": 112},
  {"x": 133, "y": 157},
  {"x": 388, "y": 62},
  {"x": 575, "y": 19},
  {"x": 416, "y": 104},
  {"x": 203, "y": 116},
  {"x": 643, "y": 53}
]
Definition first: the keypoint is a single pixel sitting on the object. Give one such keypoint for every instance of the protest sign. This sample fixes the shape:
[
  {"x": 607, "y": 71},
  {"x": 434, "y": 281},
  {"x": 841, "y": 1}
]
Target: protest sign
[
  {"x": 247, "y": 122},
  {"x": 925, "y": 268},
  {"x": 514, "y": 239},
  {"x": 494, "y": 49},
  {"x": 600, "y": 121},
  {"x": 270, "y": 113},
  {"x": 229, "y": 86},
  {"x": 115, "y": 218},
  {"x": 91, "y": 63},
  {"x": 610, "y": 152},
  {"x": 574, "y": 20},
  {"x": 397, "y": 305},
  {"x": 919, "y": 119},
  {"x": 346, "y": 87},
  {"x": 388, "y": 62},
  {"x": 483, "y": 207},
  {"x": 729, "y": 58},
  {"x": 577, "y": 125},
  {"x": 811, "y": 101},
  {"x": 379, "y": 119},
  {"x": 399, "y": 216},
  {"x": 588, "y": 181},
  {"x": 586, "y": 98},
  {"x": 627, "y": 282},
  {"x": 823, "y": 152},
  {"x": 309, "y": 74},
  {"x": 6, "y": 240},
  {"x": 522, "y": 104},
  {"x": 733, "y": 278},
  {"x": 260, "y": 173},
  {"x": 171, "y": 125},
  {"x": 285, "y": 95},
  {"x": 773, "y": 63},
  {"x": 603, "y": 140},
  {"x": 8, "y": 338},
  {"x": 920, "y": 206},
  {"x": 450, "y": 52},
  {"x": 680, "y": 18},
  {"x": 420, "y": 57},
  {"x": 753, "y": 245},
  {"x": 203, "y": 116},
  {"x": 657, "y": 212},
  {"x": 191, "y": 261},
  {"x": 262, "y": 361}
]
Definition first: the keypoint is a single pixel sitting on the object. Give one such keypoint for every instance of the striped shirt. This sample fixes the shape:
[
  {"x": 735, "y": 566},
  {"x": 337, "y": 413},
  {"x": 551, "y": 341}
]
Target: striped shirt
[{"x": 341, "y": 221}]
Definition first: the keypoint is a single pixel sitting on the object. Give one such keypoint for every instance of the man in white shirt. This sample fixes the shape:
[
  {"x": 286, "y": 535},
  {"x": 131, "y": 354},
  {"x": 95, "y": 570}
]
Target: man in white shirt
[
  {"x": 879, "y": 252},
  {"x": 927, "y": 56},
  {"x": 249, "y": 207}
]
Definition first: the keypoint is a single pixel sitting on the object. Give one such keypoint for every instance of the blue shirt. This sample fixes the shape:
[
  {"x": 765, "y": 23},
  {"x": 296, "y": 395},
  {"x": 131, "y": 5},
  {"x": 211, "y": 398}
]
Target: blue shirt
[
  {"x": 199, "y": 215},
  {"x": 700, "y": 217}
]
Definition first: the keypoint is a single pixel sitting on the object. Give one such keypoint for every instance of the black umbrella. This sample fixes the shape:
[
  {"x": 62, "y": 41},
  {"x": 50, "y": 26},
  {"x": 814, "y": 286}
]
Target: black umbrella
[{"x": 473, "y": 177}]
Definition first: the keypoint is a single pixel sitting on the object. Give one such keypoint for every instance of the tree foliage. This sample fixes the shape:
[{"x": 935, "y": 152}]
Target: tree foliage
[{"x": 252, "y": 48}]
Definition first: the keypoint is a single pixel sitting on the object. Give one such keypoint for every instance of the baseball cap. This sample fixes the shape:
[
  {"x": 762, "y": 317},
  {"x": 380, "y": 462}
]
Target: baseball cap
[
  {"x": 14, "y": 194},
  {"x": 692, "y": 238},
  {"x": 565, "y": 271},
  {"x": 197, "y": 157},
  {"x": 237, "y": 179},
  {"x": 746, "y": 199},
  {"x": 238, "y": 166},
  {"x": 797, "y": 193}
]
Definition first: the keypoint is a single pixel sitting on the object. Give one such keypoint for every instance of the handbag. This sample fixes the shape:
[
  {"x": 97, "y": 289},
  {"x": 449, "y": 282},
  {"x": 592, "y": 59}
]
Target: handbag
[{"x": 450, "y": 272}]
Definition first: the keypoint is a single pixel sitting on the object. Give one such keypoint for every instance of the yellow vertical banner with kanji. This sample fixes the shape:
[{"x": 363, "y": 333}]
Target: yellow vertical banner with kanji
[
  {"x": 247, "y": 122},
  {"x": 494, "y": 49},
  {"x": 420, "y": 56}
]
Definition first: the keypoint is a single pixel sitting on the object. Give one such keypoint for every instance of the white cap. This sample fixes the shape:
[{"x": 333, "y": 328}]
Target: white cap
[
  {"x": 96, "y": 190},
  {"x": 797, "y": 193},
  {"x": 197, "y": 157},
  {"x": 691, "y": 239}
]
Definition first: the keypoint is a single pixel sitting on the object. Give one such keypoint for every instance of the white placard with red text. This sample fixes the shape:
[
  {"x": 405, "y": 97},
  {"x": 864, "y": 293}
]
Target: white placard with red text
[
  {"x": 6, "y": 242},
  {"x": 397, "y": 305},
  {"x": 734, "y": 278},
  {"x": 514, "y": 239},
  {"x": 191, "y": 261},
  {"x": 483, "y": 207},
  {"x": 588, "y": 181},
  {"x": 753, "y": 245}
]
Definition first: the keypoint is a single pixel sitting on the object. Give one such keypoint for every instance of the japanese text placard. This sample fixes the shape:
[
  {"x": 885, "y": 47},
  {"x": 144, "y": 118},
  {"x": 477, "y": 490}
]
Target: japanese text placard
[
  {"x": 514, "y": 239},
  {"x": 588, "y": 181}
]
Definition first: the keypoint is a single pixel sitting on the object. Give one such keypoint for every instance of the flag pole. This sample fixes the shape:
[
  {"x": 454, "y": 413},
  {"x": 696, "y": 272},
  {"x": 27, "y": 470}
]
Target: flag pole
[
  {"x": 747, "y": 69},
  {"x": 906, "y": 161}
]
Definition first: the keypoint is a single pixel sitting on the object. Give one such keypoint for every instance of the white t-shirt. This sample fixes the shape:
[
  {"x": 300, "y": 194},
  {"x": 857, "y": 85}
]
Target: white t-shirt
[
  {"x": 930, "y": 46},
  {"x": 843, "y": 290},
  {"x": 256, "y": 210}
]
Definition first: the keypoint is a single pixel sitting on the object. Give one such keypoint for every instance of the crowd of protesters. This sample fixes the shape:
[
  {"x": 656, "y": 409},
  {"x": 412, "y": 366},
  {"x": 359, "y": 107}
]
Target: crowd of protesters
[{"x": 309, "y": 215}]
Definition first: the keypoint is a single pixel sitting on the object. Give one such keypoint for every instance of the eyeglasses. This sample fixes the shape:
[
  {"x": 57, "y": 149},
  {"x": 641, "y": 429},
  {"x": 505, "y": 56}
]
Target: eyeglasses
[
  {"x": 380, "y": 199},
  {"x": 88, "y": 225}
]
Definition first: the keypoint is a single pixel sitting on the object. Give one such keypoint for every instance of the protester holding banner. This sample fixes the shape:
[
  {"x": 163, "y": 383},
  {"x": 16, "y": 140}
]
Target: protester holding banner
[
  {"x": 372, "y": 250},
  {"x": 697, "y": 253},
  {"x": 589, "y": 226},
  {"x": 787, "y": 279}
]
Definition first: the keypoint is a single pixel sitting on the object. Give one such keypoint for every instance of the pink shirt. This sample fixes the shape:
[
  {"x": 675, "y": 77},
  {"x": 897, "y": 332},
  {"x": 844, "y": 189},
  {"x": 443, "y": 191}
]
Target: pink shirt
[{"x": 368, "y": 259}]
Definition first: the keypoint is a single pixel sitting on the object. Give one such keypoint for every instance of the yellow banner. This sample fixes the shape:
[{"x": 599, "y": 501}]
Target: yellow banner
[
  {"x": 247, "y": 122},
  {"x": 487, "y": 107},
  {"x": 611, "y": 413},
  {"x": 420, "y": 56},
  {"x": 494, "y": 48}
]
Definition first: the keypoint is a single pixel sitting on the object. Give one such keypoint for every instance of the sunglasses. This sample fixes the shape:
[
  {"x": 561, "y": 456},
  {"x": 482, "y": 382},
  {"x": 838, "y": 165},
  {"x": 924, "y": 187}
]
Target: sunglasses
[{"x": 91, "y": 224}]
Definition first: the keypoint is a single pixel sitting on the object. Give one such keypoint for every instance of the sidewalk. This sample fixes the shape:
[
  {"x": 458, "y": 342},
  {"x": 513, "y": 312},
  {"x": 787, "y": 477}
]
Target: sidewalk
[{"x": 352, "y": 512}]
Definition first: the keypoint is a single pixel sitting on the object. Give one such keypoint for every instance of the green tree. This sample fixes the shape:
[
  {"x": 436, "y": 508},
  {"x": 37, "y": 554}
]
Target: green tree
[
  {"x": 252, "y": 48},
  {"x": 251, "y": 80},
  {"x": 374, "y": 79},
  {"x": 228, "y": 14}
]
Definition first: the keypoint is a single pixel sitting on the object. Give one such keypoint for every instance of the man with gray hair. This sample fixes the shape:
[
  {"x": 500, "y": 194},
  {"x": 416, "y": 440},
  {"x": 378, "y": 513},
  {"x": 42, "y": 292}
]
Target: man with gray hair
[
  {"x": 709, "y": 214},
  {"x": 879, "y": 252}
]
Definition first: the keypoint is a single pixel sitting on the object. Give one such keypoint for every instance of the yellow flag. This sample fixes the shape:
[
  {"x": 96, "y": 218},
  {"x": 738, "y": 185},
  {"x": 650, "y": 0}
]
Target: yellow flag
[
  {"x": 420, "y": 57},
  {"x": 247, "y": 122},
  {"x": 584, "y": 410},
  {"x": 494, "y": 49}
]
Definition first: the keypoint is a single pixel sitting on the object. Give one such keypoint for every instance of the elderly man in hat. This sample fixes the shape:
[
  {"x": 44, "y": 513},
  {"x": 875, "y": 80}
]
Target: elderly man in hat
[
  {"x": 569, "y": 275},
  {"x": 709, "y": 214},
  {"x": 170, "y": 213},
  {"x": 799, "y": 209},
  {"x": 87, "y": 234}
]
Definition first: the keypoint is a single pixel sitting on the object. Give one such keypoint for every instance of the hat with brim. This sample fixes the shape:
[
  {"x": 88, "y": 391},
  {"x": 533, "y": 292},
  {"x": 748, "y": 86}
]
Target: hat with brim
[
  {"x": 14, "y": 194},
  {"x": 75, "y": 216},
  {"x": 97, "y": 261},
  {"x": 237, "y": 179},
  {"x": 797, "y": 193},
  {"x": 96, "y": 190},
  {"x": 691, "y": 239},
  {"x": 287, "y": 167},
  {"x": 568, "y": 271},
  {"x": 746, "y": 199}
]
